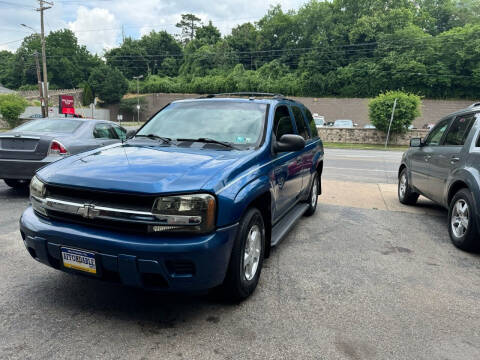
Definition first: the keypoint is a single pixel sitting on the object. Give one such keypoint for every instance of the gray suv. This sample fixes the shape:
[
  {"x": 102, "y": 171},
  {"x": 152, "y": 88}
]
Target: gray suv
[{"x": 445, "y": 167}]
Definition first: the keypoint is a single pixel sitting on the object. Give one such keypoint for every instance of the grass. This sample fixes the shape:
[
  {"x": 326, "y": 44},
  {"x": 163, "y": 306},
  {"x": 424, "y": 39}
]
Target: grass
[
  {"x": 2, "y": 130},
  {"x": 329, "y": 145}
]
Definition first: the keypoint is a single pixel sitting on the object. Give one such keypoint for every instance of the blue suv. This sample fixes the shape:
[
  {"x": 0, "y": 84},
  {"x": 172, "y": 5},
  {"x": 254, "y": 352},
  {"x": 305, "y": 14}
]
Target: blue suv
[{"x": 195, "y": 200}]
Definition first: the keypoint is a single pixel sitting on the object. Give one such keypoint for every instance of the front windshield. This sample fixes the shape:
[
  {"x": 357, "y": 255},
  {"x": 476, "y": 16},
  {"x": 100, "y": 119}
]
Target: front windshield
[{"x": 238, "y": 123}]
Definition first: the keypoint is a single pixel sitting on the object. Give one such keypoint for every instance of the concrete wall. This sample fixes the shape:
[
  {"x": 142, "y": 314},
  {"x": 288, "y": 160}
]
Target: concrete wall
[
  {"x": 355, "y": 109},
  {"x": 101, "y": 114},
  {"x": 366, "y": 136}
]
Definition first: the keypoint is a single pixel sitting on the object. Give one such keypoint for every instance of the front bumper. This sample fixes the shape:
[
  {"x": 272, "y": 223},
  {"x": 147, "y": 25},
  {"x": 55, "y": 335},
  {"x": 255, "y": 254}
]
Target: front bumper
[
  {"x": 22, "y": 169},
  {"x": 146, "y": 261}
]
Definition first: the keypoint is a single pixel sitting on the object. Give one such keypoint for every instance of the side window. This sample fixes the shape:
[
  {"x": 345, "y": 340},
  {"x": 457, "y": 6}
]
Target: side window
[
  {"x": 311, "y": 124},
  {"x": 121, "y": 132},
  {"x": 435, "y": 136},
  {"x": 300, "y": 122},
  {"x": 104, "y": 131},
  {"x": 282, "y": 123},
  {"x": 459, "y": 130}
]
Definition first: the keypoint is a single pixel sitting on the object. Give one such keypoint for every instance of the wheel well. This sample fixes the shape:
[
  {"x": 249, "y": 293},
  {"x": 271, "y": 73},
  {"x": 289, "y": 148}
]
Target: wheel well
[
  {"x": 454, "y": 189},
  {"x": 403, "y": 166},
  {"x": 264, "y": 204}
]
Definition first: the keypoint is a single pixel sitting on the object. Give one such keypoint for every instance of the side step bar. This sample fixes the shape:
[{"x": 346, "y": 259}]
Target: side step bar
[{"x": 281, "y": 228}]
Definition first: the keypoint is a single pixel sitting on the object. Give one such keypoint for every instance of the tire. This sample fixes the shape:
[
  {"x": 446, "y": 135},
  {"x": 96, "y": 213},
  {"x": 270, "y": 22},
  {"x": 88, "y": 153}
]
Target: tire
[
  {"x": 17, "y": 184},
  {"x": 240, "y": 282},
  {"x": 462, "y": 225},
  {"x": 405, "y": 193},
  {"x": 313, "y": 197}
]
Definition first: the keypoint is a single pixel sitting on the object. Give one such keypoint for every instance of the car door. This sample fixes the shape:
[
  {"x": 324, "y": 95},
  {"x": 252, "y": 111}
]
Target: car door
[
  {"x": 305, "y": 156},
  {"x": 420, "y": 158},
  {"x": 104, "y": 134},
  {"x": 448, "y": 154},
  {"x": 287, "y": 176}
]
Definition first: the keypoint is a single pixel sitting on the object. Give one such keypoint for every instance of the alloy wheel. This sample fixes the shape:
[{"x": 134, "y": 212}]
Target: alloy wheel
[
  {"x": 460, "y": 218},
  {"x": 251, "y": 257}
]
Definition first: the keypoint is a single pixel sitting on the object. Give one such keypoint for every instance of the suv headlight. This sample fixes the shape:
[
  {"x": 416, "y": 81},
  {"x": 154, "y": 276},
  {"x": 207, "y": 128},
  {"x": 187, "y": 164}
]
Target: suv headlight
[
  {"x": 185, "y": 213},
  {"x": 37, "y": 194},
  {"x": 37, "y": 188}
]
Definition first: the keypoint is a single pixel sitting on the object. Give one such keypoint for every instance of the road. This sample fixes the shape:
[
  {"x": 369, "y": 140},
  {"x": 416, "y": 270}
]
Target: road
[
  {"x": 347, "y": 283},
  {"x": 368, "y": 166}
]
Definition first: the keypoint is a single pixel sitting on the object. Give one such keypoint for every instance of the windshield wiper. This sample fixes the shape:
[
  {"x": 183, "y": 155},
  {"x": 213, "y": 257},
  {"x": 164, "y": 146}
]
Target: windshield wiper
[
  {"x": 210, "y": 141},
  {"x": 166, "y": 140}
]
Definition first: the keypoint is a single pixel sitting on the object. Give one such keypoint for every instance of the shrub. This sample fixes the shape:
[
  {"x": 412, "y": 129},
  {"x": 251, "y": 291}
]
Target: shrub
[
  {"x": 108, "y": 84},
  {"x": 407, "y": 109},
  {"x": 11, "y": 107}
]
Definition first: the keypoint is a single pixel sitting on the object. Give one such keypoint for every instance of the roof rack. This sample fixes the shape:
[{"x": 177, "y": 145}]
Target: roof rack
[
  {"x": 474, "y": 105},
  {"x": 244, "y": 93}
]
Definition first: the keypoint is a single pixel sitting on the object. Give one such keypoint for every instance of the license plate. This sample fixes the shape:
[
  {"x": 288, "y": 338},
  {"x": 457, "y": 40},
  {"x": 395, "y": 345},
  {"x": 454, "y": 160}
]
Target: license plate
[{"x": 79, "y": 260}]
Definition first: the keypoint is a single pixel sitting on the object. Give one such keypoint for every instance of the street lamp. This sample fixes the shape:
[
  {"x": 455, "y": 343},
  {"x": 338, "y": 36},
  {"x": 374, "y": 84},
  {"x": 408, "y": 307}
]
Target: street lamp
[
  {"x": 29, "y": 27},
  {"x": 138, "y": 97}
]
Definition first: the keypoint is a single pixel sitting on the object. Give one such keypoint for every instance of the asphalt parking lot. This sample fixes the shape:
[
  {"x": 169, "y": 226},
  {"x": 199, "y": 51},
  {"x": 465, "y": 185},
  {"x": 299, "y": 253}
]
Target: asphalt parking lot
[{"x": 358, "y": 280}]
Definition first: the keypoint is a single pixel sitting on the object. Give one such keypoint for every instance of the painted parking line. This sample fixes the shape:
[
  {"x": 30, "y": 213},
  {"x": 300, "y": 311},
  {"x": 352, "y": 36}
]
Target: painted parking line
[{"x": 358, "y": 169}]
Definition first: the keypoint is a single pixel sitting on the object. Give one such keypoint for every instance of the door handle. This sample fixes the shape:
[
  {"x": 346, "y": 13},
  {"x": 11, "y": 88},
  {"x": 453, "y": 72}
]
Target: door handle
[
  {"x": 427, "y": 157},
  {"x": 454, "y": 159}
]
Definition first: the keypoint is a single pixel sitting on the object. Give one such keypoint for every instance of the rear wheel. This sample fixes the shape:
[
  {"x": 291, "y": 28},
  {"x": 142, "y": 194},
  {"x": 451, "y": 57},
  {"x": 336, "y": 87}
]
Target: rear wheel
[
  {"x": 20, "y": 184},
  {"x": 247, "y": 257},
  {"x": 462, "y": 225},
  {"x": 313, "y": 196},
  {"x": 405, "y": 193}
]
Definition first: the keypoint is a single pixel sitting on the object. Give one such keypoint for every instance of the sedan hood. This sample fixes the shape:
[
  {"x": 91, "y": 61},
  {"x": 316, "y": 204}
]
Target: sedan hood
[{"x": 142, "y": 169}]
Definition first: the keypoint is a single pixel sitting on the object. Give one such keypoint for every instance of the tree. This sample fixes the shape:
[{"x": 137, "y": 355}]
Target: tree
[
  {"x": 189, "y": 25},
  {"x": 208, "y": 34},
  {"x": 407, "y": 109},
  {"x": 158, "y": 46},
  {"x": 108, "y": 84},
  {"x": 11, "y": 107},
  {"x": 130, "y": 58},
  {"x": 87, "y": 95}
]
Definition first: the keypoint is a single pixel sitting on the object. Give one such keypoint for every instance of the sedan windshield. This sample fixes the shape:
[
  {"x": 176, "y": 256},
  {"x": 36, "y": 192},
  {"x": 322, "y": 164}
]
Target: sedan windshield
[
  {"x": 238, "y": 123},
  {"x": 51, "y": 125}
]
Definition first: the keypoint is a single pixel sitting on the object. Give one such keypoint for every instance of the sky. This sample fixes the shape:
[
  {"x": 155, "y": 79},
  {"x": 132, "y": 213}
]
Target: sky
[{"x": 98, "y": 23}]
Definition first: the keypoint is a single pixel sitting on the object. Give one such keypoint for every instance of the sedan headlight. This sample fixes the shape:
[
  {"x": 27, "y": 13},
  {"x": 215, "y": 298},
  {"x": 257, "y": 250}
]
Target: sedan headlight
[
  {"x": 37, "y": 188},
  {"x": 185, "y": 213}
]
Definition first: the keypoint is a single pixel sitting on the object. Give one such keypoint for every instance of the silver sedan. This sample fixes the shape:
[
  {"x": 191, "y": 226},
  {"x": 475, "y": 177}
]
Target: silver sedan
[{"x": 36, "y": 143}]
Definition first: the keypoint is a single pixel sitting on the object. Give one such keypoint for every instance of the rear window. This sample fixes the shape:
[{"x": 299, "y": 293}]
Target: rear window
[{"x": 50, "y": 125}]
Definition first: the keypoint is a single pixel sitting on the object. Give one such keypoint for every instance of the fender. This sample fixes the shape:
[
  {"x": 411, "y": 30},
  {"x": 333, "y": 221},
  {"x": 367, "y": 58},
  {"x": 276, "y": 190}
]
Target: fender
[
  {"x": 469, "y": 176},
  {"x": 247, "y": 194}
]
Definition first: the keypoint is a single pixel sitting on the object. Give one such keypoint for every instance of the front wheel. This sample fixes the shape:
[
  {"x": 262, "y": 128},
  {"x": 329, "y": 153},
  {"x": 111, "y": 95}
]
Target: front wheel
[
  {"x": 462, "y": 226},
  {"x": 247, "y": 257}
]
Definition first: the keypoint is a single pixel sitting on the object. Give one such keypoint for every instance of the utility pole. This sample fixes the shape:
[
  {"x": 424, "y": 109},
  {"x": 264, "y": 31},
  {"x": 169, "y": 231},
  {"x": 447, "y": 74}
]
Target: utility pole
[
  {"x": 42, "y": 8},
  {"x": 391, "y": 120},
  {"x": 39, "y": 78}
]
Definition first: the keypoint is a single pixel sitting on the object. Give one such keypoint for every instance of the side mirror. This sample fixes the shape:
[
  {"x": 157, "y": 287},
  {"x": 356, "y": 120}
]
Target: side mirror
[
  {"x": 289, "y": 142},
  {"x": 131, "y": 133},
  {"x": 416, "y": 142}
]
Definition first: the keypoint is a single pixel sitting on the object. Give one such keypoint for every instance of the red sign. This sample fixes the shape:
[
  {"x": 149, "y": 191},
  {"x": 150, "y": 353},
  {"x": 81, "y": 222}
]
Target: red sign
[{"x": 66, "y": 104}]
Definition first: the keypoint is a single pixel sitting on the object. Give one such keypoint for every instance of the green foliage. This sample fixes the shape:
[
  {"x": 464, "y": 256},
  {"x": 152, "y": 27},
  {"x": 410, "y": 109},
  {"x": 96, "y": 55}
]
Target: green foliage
[
  {"x": 407, "y": 109},
  {"x": 108, "y": 84},
  {"x": 87, "y": 95},
  {"x": 11, "y": 107}
]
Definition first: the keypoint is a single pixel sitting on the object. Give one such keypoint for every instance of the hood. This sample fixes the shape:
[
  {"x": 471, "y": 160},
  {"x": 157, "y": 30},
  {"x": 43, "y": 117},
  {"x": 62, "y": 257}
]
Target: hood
[{"x": 142, "y": 169}]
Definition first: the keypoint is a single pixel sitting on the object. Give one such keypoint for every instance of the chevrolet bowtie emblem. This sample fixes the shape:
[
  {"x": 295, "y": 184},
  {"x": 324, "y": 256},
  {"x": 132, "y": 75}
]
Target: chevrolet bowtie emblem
[{"x": 88, "y": 211}]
